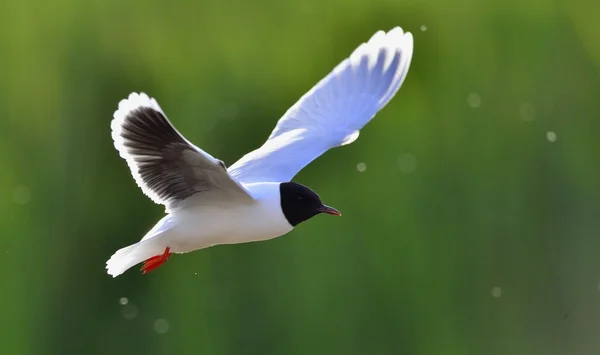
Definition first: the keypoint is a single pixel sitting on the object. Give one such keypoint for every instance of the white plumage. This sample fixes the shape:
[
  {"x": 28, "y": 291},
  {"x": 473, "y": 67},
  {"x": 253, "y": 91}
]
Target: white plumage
[
  {"x": 332, "y": 113},
  {"x": 208, "y": 204}
]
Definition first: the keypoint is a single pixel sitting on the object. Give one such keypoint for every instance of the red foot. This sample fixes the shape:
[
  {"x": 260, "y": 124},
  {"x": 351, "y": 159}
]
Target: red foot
[{"x": 156, "y": 261}]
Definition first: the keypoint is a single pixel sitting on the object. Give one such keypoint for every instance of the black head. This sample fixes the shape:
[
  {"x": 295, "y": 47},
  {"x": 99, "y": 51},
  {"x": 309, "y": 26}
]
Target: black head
[{"x": 300, "y": 203}]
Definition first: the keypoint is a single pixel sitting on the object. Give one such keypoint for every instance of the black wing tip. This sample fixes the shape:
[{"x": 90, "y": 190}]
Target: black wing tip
[{"x": 140, "y": 123}]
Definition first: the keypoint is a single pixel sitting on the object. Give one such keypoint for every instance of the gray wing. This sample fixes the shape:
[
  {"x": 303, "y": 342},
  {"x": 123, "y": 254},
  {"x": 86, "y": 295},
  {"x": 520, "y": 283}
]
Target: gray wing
[{"x": 166, "y": 166}]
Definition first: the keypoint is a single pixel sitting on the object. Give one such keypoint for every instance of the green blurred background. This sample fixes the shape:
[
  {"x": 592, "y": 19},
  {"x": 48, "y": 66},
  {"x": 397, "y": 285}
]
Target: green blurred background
[{"x": 470, "y": 203}]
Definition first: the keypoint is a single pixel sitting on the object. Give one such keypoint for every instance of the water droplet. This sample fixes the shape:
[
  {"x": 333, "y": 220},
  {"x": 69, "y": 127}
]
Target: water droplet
[
  {"x": 474, "y": 100},
  {"x": 423, "y": 28},
  {"x": 361, "y": 167},
  {"x": 407, "y": 162},
  {"x": 161, "y": 326},
  {"x": 123, "y": 301},
  {"x": 22, "y": 195},
  {"x": 527, "y": 111},
  {"x": 129, "y": 311},
  {"x": 497, "y": 292},
  {"x": 551, "y": 136}
]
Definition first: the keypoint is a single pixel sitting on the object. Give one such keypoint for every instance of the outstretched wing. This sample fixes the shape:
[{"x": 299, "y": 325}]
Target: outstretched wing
[
  {"x": 166, "y": 166},
  {"x": 332, "y": 113}
]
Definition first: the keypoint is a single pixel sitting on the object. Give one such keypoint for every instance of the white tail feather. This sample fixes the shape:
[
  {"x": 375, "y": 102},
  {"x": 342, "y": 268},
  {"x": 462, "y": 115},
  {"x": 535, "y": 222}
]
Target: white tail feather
[
  {"x": 122, "y": 260},
  {"x": 128, "y": 257},
  {"x": 134, "y": 254}
]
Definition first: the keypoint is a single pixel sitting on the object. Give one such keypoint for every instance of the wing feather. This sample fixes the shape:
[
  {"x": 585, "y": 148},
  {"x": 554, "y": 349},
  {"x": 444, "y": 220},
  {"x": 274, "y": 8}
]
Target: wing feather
[
  {"x": 333, "y": 112},
  {"x": 166, "y": 166}
]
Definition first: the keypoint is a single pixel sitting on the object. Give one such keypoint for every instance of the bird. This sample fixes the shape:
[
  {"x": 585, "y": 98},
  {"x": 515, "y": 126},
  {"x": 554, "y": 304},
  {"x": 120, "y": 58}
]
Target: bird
[{"x": 207, "y": 203}]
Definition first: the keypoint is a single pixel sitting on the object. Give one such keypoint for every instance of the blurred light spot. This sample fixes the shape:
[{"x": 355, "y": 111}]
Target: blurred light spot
[
  {"x": 305, "y": 7},
  {"x": 129, "y": 311},
  {"x": 208, "y": 107},
  {"x": 423, "y": 28},
  {"x": 195, "y": 273},
  {"x": 123, "y": 301},
  {"x": 161, "y": 326},
  {"x": 22, "y": 195},
  {"x": 527, "y": 111},
  {"x": 474, "y": 100},
  {"x": 229, "y": 111},
  {"x": 551, "y": 136},
  {"x": 361, "y": 167},
  {"x": 497, "y": 292},
  {"x": 407, "y": 163}
]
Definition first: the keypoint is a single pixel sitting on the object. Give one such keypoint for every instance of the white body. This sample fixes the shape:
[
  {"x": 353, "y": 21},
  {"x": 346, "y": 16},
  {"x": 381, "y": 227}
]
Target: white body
[
  {"x": 208, "y": 204},
  {"x": 199, "y": 226},
  {"x": 196, "y": 226}
]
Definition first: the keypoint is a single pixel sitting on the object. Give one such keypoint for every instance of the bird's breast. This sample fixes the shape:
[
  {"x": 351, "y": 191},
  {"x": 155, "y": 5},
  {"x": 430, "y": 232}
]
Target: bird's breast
[{"x": 204, "y": 226}]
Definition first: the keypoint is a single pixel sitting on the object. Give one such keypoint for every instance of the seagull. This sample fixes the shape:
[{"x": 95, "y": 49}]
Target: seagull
[{"x": 208, "y": 204}]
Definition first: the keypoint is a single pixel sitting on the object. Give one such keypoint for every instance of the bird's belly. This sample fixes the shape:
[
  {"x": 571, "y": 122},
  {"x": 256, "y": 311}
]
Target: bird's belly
[{"x": 202, "y": 227}]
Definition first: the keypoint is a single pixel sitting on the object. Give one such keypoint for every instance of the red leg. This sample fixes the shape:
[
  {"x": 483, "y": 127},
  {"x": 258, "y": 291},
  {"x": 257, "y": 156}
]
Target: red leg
[{"x": 156, "y": 261}]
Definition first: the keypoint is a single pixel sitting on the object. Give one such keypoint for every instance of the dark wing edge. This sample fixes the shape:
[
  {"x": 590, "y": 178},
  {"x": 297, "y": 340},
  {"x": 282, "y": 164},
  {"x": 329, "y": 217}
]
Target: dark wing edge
[{"x": 166, "y": 166}]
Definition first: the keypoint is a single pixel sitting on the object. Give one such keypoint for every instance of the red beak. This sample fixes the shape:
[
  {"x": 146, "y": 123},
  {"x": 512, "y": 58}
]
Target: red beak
[{"x": 329, "y": 210}]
